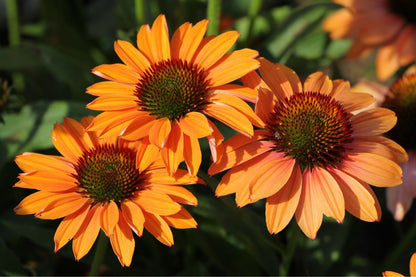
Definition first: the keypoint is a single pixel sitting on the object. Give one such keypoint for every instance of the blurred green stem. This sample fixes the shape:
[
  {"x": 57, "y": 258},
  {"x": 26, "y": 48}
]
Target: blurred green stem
[
  {"x": 14, "y": 37},
  {"x": 292, "y": 241},
  {"x": 139, "y": 11},
  {"x": 99, "y": 254},
  {"x": 253, "y": 11},
  {"x": 213, "y": 15}
]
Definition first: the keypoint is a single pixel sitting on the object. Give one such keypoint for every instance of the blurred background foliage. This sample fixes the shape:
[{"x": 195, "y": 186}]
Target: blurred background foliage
[{"x": 47, "y": 51}]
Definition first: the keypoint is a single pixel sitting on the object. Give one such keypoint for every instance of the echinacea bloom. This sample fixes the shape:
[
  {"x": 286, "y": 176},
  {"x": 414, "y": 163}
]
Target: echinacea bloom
[
  {"x": 412, "y": 266},
  {"x": 389, "y": 25},
  {"x": 165, "y": 90},
  {"x": 315, "y": 157},
  {"x": 98, "y": 184}
]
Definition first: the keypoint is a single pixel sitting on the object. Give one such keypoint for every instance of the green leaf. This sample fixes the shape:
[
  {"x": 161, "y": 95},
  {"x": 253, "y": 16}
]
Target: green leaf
[
  {"x": 31, "y": 128},
  {"x": 18, "y": 58}
]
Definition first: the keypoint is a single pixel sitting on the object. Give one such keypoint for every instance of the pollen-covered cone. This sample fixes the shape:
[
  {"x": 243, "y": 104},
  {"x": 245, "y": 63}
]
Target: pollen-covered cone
[
  {"x": 167, "y": 91},
  {"x": 315, "y": 157},
  {"x": 389, "y": 25},
  {"x": 99, "y": 184}
]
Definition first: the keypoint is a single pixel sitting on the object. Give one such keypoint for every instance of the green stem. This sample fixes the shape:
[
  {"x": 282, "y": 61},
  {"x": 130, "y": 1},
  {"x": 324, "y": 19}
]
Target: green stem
[
  {"x": 407, "y": 240},
  {"x": 99, "y": 254},
  {"x": 213, "y": 15},
  {"x": 254, "y": 10},
  {"x": 139, "y": 11},
  {"x": 292, "y": 238}
]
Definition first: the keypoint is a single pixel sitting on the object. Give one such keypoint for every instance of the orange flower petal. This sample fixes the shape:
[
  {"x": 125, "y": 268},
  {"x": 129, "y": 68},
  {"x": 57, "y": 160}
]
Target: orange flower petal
[
  {"x": 156, "y": 203},
  {"x": 281, "y": 206},
  {"x": 38, "y": 162},
  {"x": 159, "y": 132},
  {"x": 123, "y": 243},
  {"x": 338, "y": 23},
  {"x": 373, "y": 122},
  {"x": 253, "y": 80},
  {"x": 239, "y": 105},
  {"x": 160, "y": 39},
  {"x": 178, "y": 39},
  {"x": 387, "y": 61},
  {"x": 63, "y": 206},
  {"x": 372, "y": 34},
  {"x": 172, "y": 153},
  {"x": 195, "y": 125},
  {"x": 231, "y": 117},
  {"x": 117, "y": 72},
  {"x": 134, "y": 216},
  {"x": 177, "y": 193},
  {"x": 214, "y": 49},
  {"x": 131, "y": 56},
  {"x": 181, "y": 220},
  {"x": 392, "y": 274},
  {"x": 158, "y": 228},
  {"x": 339, "y": 87},
  {"x": 144, "y": 43},
  {"x": 36, "y": 202},
  {"x": 138, "y": 128},
  {"x": 354, "y": 101},
  {"x": 146, "y": 154},
  {"x": 406, "y": 45},
  {"x": 318, "y": 82},
  {"x": 160, "y": 176},
  {"x": 109, "y": 217},
  {"x": 309, "y": 212},
  {"x": 412, "y": 265},
  {"x": 113, "y": 103},
  {"x": 327, "y": 190},
  {"x": 87, "y": 233},
  {"x": 192, "y": 154},
  {"x": 271, "y": 178},
  {"x": 69, "y": 226},
  {"x": 215, "y": 142},
  {"x": 360, "y": 199},
  {"x": 79, "y": 133},
  {"x": 54, "y": 181},
  {"x": 233, "y": 66},
  {"x": 189, "y": 41},
  {"x": 110, "y": 87},
  {"x": 265, "y": 104},
  {"x": 242, "y": 92},
  {"x": 372, "y": 169}
]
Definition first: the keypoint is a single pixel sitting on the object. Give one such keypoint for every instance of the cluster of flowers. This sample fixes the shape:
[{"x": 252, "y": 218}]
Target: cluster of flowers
[{"x": 310, "y": 148}]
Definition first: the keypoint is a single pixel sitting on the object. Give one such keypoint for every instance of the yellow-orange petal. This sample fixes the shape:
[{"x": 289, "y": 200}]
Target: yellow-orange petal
[
  {"x": 281, "y": 80},
  {"x": 156, "y": 203},
  {"x": 239, "y": 105},
  {"x": 78, "y": 131},
  {"x": 281, "y": 206},
  {"x": 55, "y": 181},
  {"x": 131, "y": 56},
  {"x": 144, "y": 43},
  {"x": 214, "y": 49},
  {"x": 107, "y": 121},
  {"x": 63, "y": 206},
  {"x": 123, "y": 243},
  {"x": 117, "y": 72},
  {"x": 181, "y": 220},
  {"x": 158, "y": 228},
  {"x": 161, "y": 176},
  {"x": 110, "y": 87},
  {"x": 186, "y": 40},
  {"x": 328, "y": 193},
  {"x": 192, "y": 154},
  {"x": 309, "y": 212},
  {"x": 372, "y": 34},
  {"x": 233, "y": 66},
  {"x": 172, "y": 153},
  {"x": 195, "y": 124},
  {"x": 215, "y": 142},
  {"x": 270, "y": 178},
  {"x": 373, "y": 122},
  {"x": 87, "y": 233},
  {"x": 113, "y": 102},
  {"x": 254, "y": 81},
  {"x": 138, "y": 128},
  {"x": 412, "y": 265},
  {"x": 160, "y": 38},
  {"x": 69, "y": 226},
  {"x": 231, "y": 117},
  {"x": 159, "y": 132},
  {"x": 339, "y": 87},
  {"x": 318, "y": 82},
  {"x": 406, "y": 45},
  {"x": 372, "y": 169},
  {"x": 354, "y": 101},
  {"x": 133, "y": 215},
  {"x": 146, "y": 154},
  {"x": 38, "y": 162},
  {"x": 338, "y": 23},
  {"x": 177, "y": 193},
  {"x": 67, "y": 144},
  {"x": 35, "y": 202},
  {"x": 265, "y": 104},
  {"x": 360, "y": 199},
  {"x": 109, "y": 217},
  {"x": 387, "y": 61},
  {"x": 242, "y": 92}
]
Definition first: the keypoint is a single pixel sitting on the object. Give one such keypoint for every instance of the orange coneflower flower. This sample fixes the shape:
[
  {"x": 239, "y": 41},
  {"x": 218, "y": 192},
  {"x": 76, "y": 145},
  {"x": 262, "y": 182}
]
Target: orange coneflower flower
[
  {"x": 165, "y": 91},
  {"x": 412, "y": 268},
  {"x": 315, "y": 156},
  {"x": 99, "y": 183},
  {"x": 387, "y": 24}
]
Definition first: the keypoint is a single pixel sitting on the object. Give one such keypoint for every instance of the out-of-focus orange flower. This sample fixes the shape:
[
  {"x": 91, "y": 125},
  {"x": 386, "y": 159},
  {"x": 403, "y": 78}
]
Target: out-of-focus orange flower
[
  {"x": 99, "y": 184},
  {"x": 315, "y": 157},
  {"x": 389, "y": 25},
  {"x": 164, "y": 91},
  {"x": 412, "y": 266}
]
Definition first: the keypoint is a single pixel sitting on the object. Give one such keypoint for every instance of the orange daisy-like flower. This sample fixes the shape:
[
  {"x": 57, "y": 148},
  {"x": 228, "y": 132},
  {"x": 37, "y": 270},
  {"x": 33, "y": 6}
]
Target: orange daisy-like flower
[
  {"x": 315, "y": 155},
  {"x": 387, "y": 24},
  {"x": 412, "y": 266},
  {"x": 99, "y": 184},
  {"x": 165, "y": 91}
]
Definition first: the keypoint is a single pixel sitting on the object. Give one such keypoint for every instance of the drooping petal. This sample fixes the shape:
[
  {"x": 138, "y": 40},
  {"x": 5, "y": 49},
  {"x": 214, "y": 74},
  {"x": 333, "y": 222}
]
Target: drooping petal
[
  {"x": 147, "y": 153},
  {"x": 181, "y": 220},
  {"x": 215, "y": 142},
  {"x": 109, "y": 217},
  {"x": 172, "y": 153},
  {"x": 69, "y": 226},
  {"x": 156, "y": 203},
  {"x": 158, "y": 228},
  {"x": 195, "y": 124},
  {"x": 177, "y": 193},
  {"x": 159, "y": 132},
  {"x": 133, "y": 215},
  {"x": 138, "y": 128},
  {"x": 123, "y": 243},
  {"x": 281, "y": 206},
  {"x": 192, "y": 154}
]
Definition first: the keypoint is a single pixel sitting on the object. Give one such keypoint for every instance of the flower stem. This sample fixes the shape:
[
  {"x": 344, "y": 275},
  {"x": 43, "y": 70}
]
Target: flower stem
[
  {"x": 140, "y": 11},
  {"x": 99, "y": 254},
  {"x": 254, "y": 10},
  {"x": 213, "y": 15},
  {"x": 292, "y": 241}
]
